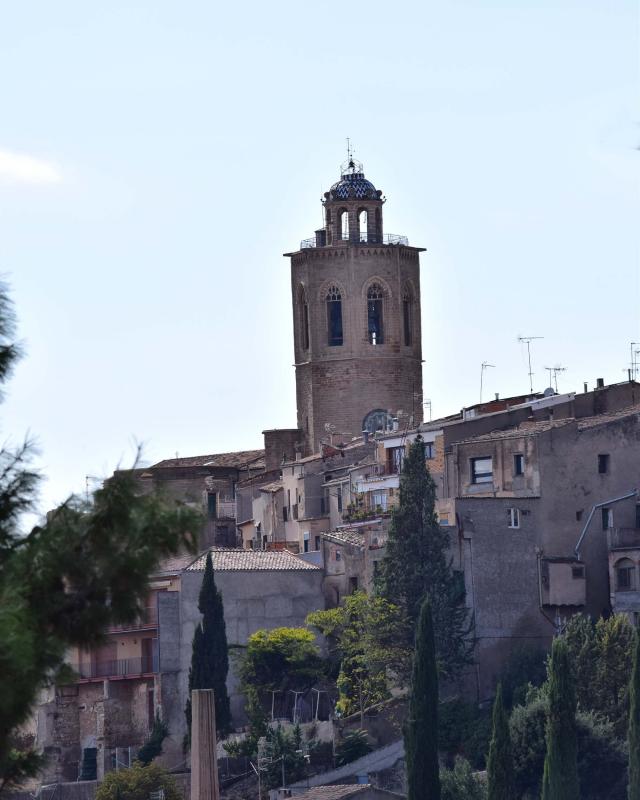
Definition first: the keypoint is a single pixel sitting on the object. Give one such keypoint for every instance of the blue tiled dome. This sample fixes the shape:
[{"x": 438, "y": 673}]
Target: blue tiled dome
[{"x": 353, "y": 185}]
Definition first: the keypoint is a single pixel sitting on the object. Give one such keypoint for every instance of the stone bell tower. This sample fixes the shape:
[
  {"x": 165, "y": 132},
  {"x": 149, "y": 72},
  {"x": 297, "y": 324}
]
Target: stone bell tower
[{"x": 356, "y": 319}]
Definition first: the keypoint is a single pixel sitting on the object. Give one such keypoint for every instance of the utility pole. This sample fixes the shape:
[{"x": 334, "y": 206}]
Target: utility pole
[
  {"x": 527, "y": 340},
  {"x": 485, "y": 365}
]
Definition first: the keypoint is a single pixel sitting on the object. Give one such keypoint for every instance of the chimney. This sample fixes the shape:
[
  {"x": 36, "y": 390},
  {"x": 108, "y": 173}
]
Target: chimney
[
  {"x": 600, "y": 383},
  {"x": 586, "y": 388},
  {"x": 497, "y": 395}
]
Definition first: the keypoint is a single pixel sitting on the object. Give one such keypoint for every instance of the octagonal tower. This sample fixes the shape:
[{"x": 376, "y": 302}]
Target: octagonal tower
[{"x": 356, "y": 319}]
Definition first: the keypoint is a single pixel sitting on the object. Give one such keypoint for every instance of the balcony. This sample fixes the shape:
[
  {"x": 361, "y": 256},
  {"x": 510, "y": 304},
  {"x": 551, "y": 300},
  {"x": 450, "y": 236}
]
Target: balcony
[
  {"x": 226, "y": 509},
  {"x": 114, "y": 670},
  {"x": 623, "y": 537},
  {"x": 147, "y": 620},
  {"x": 362, "y": 238}
]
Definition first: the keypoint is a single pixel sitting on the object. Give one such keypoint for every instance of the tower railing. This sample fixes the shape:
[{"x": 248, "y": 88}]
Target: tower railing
[{"x": 362, "y": 238}]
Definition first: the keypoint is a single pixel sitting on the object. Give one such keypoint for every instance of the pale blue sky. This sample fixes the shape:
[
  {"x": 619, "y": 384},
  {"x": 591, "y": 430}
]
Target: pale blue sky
[{"x": 157, "y": 158}]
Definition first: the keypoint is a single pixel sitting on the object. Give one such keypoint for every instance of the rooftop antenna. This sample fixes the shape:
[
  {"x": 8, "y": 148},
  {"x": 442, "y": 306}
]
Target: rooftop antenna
[
  {"x": 634, "y": 360},
  {"x": 553, "y": 375},
  {"x": 485, "y": 365},
  {"x": 527, "y": 340},
  {"x": 428, "y": 403}
]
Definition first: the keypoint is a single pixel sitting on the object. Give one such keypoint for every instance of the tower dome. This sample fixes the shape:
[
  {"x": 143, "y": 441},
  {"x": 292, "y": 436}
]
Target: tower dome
[{"x": 353, "y": 185}]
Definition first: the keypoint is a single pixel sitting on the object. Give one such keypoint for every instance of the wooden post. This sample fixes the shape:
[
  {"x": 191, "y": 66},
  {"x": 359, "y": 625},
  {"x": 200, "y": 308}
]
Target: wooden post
[{"x": 204, "y": 764}]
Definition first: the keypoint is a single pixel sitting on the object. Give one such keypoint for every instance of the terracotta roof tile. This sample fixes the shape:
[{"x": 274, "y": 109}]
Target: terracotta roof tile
[
  {"x": 337, "y": 792},
  {"x": 241, "y": 458},
  {"x": 227, "y": 560},
  {"x": 351, "y": 536}
]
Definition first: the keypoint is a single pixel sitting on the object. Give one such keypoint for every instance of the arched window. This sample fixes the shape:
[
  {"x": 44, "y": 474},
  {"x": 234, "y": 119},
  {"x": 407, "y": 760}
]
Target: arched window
[
  {"x": 334, "y": 317},
  {"x": 407, "y": 317},
  {"x": 363, "y": 223},
  {"x": 344, "y": 224},
  {"x": 625, "y": 575},
  {"x": 304, "y": 320},
  {"x": 375, "y": 329},
  {"x": 377, "y": 420}
]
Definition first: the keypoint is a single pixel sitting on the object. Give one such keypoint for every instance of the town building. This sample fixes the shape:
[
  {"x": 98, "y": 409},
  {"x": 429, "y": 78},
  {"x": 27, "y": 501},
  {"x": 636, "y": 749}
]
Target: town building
[{"x": 356, "y": 318}]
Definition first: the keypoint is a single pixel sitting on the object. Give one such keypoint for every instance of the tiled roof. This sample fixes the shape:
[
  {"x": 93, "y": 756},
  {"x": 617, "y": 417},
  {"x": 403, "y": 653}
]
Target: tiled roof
[
  {"x": 532, "y": 428},
  {"x": 173, "y": 565},
  {"x": 272, "y": 487},
  {"x": 237, "y": 560},
  {"x": 351, "y": 536},
  {"x": 334, "y": 792},
  {"x": 238, "y": 459}
]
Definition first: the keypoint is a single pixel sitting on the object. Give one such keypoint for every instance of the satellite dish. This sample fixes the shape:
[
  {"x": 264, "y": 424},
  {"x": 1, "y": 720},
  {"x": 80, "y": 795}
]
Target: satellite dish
[{"x": 548, "y": 392}]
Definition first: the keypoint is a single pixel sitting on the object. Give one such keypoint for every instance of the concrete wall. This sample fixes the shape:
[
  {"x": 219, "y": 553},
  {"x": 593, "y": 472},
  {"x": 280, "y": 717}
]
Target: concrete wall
[{"x": 252, "y": 600}]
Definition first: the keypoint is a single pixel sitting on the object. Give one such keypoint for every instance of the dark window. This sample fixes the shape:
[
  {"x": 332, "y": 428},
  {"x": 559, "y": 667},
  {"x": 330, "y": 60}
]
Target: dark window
[
  {"x": 338, "y": 555},
  {"x": 624, "y": 575},
  {"x": 513, "y": 515},
  {"x": 429, "y": 450},
  {"x": 353, "y": 584},
  {"x": 607, "y": 519},
  {"x": 578, "y": 515},
  {"x": 306, "y": 542},
  {"x": 603, "y": 464},
  {"x": 395, "y": 458},
  {"x": 406, "y": 320},
  {"x": 481, "y": 470},
  {"x": 638, "y": 515},
  {"x": 340, "y": 499},
  {"x": 577, "y": 572},
  {"x": 334, "y": 317},
  {"x": 212, "y": 503},
  {"x": 518, "y": 464},
  {"x": 284, "y": 513},
  {"x": 374, "y": 314},
  {"x": 317, "y": 542}
]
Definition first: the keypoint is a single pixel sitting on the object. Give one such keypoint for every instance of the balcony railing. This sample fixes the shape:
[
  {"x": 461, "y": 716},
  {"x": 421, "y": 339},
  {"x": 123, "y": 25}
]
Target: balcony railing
[
  {"x": 623, "y": 537},
  {"x": 122, "y": 668},
  {"x": 362, "y": 238},
  {"x": 226, "y": 509},
  {"x": 148, "y": 619}
]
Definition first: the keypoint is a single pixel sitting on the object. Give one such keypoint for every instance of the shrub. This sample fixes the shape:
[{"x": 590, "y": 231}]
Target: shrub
[
  {"x": 153, "y": 746},
  {"x": 354, "y": 745},
  {"x": 464, "y": 730},
  {"x": 137, "y": 783},
  {"x": 526, "y": 667},
  {"x": 460, "y": 783},
  {"x": 602, "y": 760}
]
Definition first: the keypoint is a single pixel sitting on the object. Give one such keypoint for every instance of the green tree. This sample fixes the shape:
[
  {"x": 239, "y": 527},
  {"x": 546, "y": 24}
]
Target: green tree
[
  {"x": 153, "y": 746},
  {"x": 354, "y": 745},
  {"x": 209, "y": 652},
  {"x": 500, "y": 761},
  {"x": 421, "y": 732},
  {"x": 416, "y": 566},
  {"x": 365, "y": 640},
  {"x": 560, "y": 776},
  {"x": 280, "y": 660},
  {"x": 634, "y": 724},
  {"x": 460, "y": 783},
  {"x": 84, "y": 568},
  {"x": 137, "y": 783}
]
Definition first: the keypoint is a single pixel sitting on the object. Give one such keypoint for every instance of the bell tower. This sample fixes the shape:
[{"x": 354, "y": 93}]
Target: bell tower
[{"x": 356, "y": 319}]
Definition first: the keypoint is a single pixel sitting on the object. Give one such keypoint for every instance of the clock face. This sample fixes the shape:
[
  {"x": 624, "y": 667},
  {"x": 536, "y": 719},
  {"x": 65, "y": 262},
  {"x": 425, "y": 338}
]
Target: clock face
[{"x": 377, "y": 420}]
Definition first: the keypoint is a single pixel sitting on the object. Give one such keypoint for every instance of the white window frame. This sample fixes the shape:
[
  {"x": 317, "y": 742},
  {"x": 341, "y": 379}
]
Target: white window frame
[{"x": 514, "y": 517}]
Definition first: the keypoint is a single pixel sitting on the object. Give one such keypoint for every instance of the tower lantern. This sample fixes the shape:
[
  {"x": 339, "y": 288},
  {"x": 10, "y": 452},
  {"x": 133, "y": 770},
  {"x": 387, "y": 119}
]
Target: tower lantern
[{"x": 356, "y": 314}]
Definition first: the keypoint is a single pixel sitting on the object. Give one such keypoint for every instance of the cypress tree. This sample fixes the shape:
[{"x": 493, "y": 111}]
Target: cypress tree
[
  {"x": 210, "y": 655},
  {"x": 634, "y": 724},
  {"x": 500, "y": 761},
  {"x": 417, "y": 565},
  {"x": 560, "y": 778},
  {"x": 421, "y": 731}
]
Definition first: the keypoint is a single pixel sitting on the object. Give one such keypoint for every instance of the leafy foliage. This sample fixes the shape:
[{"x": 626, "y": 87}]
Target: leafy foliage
[
  {"x": 153, "y": 746},
  {"x": 601, "y": 756},
  {"x": 601, "y": 655},
  {"x": 560, "y": 776},
  {"x": 363, "y": 636},
  {"x": 209, "y": 652},
  {"x": 282, "y": 745},
  {"x": 354, "y": 745},
  {"x": 137, "y": 783},
  {"x": 421, "y": 732},
  {"x": 634, "y": 725},
  {"x": 464, "y": 730},
  {"x": 281, "y": 659},
  {"x": 63, "y": 583},
  {"x": 416, "y": 566},
  {"x": 460, "y": 783},
  {"x": 526, "y": 667},
  {"x": 500, "y": 784}
]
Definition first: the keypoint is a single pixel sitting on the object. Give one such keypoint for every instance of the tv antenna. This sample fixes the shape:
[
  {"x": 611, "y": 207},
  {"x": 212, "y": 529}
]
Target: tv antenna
[
  {"x": 553, "y": 375},
  {"x": 527, "y": 340},
  {"x": 485, "y": 365},
  {"x": 635, "y": 365}
]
